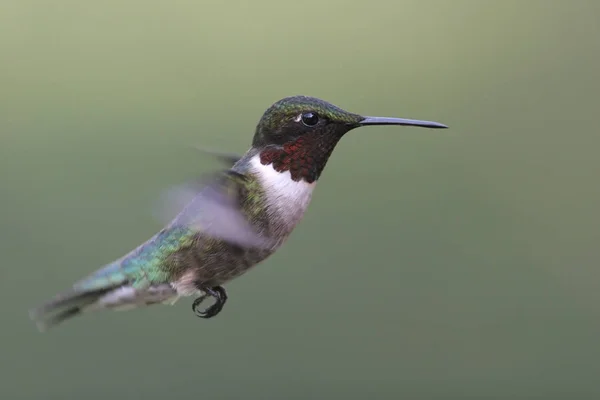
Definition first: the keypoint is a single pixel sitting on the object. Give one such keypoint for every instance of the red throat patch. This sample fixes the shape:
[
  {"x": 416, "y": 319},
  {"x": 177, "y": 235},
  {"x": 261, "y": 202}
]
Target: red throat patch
[{"x": 305, "y": 157}]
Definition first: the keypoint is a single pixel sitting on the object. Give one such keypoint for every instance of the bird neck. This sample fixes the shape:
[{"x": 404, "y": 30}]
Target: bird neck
[{"x": 303, "y": 157}]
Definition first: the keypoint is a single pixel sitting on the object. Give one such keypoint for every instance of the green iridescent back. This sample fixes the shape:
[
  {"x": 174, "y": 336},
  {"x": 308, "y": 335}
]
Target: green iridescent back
[{"x": 182, "y": 246}]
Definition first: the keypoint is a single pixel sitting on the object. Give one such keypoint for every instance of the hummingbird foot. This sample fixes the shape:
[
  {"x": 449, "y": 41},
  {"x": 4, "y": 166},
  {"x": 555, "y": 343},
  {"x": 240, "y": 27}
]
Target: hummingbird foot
[{"x": 220, "y": 295}]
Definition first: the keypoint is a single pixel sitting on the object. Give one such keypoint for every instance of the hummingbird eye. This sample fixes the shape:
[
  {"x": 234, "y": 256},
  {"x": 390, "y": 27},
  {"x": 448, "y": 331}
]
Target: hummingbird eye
[{"x": 309, "y": 119}]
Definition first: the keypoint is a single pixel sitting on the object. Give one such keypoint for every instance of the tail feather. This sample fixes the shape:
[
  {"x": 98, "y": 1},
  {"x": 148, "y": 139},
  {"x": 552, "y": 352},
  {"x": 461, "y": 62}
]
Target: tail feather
[
  {"x": 49, "y": 322},
  {"x": 121, "y": 297},
  {"x": 65, "y": 306},
  {"x": 120, "y": 285}
]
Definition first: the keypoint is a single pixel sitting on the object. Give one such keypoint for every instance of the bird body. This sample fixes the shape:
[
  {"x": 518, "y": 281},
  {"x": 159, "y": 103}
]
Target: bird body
[{"x": 232, "y": 222}]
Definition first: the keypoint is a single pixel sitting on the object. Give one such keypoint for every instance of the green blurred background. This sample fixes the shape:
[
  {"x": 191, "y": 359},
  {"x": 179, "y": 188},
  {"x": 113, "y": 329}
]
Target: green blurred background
[{"x": 431, "y": 265}]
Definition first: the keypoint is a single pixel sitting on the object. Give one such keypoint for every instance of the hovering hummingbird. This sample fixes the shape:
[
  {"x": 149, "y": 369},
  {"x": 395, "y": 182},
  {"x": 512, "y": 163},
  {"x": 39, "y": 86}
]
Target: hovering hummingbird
[{"x": 233, "y": 221}]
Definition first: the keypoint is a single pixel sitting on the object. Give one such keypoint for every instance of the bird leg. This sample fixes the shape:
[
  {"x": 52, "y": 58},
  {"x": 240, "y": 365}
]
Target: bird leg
[{"x": 220, "y": 295}]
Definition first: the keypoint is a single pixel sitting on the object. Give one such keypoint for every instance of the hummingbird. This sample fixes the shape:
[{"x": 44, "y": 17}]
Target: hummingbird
[{"x": 229, "y": 222}]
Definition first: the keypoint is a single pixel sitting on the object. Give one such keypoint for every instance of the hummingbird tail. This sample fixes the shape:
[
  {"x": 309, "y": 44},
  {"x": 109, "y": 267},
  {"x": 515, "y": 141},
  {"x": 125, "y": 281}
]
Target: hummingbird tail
[
  {"x": 116, "y": 297},
  {"x": 65, "y": 306}
]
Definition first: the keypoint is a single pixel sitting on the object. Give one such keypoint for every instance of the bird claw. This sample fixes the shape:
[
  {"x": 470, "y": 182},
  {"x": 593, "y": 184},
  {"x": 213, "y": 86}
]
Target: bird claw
[{"x": 220, "y": 295}]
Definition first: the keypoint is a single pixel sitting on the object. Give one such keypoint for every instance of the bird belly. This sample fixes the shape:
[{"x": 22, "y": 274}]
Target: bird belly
[{"x": 202, "y": 268}]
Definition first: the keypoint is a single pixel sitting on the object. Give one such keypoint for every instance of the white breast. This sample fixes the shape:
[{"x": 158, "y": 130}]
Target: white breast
[{"x": 286, "y": 197}]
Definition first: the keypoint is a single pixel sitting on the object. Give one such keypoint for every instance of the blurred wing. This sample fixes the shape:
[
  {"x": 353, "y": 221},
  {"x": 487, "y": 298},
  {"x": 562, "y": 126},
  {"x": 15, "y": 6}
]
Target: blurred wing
[
  {"x": 213, "y": 206},
  {"x": 178, "y": 197},
  {"x": 227, "y": 158}
]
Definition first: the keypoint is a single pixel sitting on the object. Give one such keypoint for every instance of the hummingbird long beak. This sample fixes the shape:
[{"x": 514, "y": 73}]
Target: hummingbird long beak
[{"x": 400, "y": 121}]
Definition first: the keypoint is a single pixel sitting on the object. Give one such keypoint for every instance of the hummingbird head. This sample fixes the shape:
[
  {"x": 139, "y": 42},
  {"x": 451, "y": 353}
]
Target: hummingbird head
[{"x": 298, "y": 134}]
